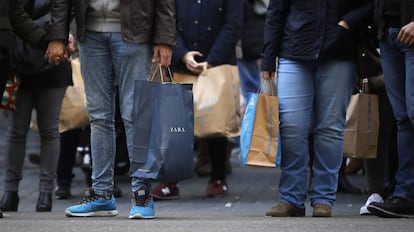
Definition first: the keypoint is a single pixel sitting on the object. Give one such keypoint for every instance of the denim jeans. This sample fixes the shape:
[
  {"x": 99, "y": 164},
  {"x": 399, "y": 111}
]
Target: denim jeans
[
  {"x": 249, "y": 76},
  {"x": 105, "y": 60},
  {"x": 398, "y": 68},
  {"x": 313, "y": 97},
  {"x": 47, "y": 103}
]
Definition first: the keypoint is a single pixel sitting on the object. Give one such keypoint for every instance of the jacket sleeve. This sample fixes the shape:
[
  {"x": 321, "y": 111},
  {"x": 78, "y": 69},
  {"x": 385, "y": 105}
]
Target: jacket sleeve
[
  {"x": 275, "y": 21},
  {"x": 23, "y": 25},
  {"x": 165, "y": 22},
  {"x": 60, "y": 20},
  {"x": 361, "y": 15},
  {"x": 228, "y": 35}
]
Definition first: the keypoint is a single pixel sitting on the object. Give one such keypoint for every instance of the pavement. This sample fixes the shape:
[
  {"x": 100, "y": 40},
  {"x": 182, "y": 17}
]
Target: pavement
[{"x": 252, "y": 191}]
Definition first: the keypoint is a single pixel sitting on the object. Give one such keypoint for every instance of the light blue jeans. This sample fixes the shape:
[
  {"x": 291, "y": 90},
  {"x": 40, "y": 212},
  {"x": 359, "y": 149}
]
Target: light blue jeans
[
  {"x": 313, "y": 97},
  {"x": 105, "y": 60},
  {"x": 398, "y": 66}
]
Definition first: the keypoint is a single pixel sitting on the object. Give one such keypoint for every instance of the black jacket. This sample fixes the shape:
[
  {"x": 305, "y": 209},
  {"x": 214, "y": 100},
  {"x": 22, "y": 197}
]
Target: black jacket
[
  {"x": 25, "y": 59},
  {"x": 308, "y": 30},
  {"x": 407, "y": 14},
  {"x": 14, "y": 18}
]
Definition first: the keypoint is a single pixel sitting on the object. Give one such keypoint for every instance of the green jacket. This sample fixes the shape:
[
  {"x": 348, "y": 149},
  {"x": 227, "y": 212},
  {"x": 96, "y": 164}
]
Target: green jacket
[{"x": 13, "y": 18}]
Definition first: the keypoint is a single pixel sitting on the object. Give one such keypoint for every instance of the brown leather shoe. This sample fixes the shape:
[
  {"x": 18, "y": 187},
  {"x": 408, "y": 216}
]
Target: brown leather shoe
[
  {"x": 322, "y": 210},
  {"x": 284, "y": 209}
]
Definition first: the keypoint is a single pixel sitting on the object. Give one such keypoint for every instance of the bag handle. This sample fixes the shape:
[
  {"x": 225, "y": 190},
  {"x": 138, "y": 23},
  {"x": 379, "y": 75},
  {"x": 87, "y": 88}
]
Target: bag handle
[
  {"x": 271, "y": 84},
  {"x": 158, "y": 68}
]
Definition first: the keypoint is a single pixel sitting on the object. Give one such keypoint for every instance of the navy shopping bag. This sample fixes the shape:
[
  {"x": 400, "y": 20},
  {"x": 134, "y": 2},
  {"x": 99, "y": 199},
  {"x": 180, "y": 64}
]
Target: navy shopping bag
[{"x": 163, "y": 131}]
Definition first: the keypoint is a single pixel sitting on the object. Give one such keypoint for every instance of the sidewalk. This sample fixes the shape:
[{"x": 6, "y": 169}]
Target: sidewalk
[{"x": 252, "y": 191}]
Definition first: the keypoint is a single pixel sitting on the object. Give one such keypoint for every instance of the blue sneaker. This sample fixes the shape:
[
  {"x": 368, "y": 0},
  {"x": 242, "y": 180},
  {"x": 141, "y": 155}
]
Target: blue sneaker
[
  {"x": 93, "y": 206},
  {"x": 142, "y": 206}
]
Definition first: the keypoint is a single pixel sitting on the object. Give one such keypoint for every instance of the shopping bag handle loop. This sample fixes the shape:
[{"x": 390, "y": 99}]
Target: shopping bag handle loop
[{"x": 157, "y": 68}]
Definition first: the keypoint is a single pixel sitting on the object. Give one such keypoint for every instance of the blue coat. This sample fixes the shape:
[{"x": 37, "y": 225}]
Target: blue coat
[
  {"x": 308, "y": 30},
  {"x": 209, "y": 26}
]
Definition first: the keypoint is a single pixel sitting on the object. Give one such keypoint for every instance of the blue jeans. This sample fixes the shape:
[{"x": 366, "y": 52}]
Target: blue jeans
[
  {"x": 249, "y": 76},
  {"x": 105, "y": 60},
  {"x": 313, "y": 98},
  {"x": 398, "y": 67}
]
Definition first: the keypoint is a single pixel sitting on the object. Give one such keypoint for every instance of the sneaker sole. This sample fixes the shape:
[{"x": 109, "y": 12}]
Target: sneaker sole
[
  {"x": 107, "y": 213},
  {"x": 385, "y": 213},
  {"x": 155, "y": 197},
  {"x": 140, "y": 216}
]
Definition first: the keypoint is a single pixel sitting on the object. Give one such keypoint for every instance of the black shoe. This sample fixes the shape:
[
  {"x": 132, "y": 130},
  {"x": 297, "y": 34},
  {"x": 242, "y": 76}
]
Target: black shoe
[
  {"x": 1, "y": 214},
  {"x": 393, "y": 207},
  {"x": 344, "y": 186},
  {"x": 9, "y": 201},
  {"x": 44, "y": 202},
  {"x": 63, "y": 192}
]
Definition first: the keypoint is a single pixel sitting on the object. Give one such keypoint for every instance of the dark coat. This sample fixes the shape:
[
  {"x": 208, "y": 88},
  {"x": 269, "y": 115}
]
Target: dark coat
[
  {"x": 25, "y": 59},
  {"x": 143, "y": 21},
  {"x": 307, "y": 29},
  {"x": 14, "y": 18},
  {"x": 211, "y": 27},
  {"x": 407, "y": 14}
]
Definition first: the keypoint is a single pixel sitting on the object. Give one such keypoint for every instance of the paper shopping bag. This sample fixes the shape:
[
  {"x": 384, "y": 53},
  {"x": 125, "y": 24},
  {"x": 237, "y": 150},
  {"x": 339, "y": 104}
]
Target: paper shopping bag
[
  {"x": 163, "y": 132},
  {"x": 216, "y": 102},
  {"x": 259, "y": 131},
  {"x": 73, "y": 113},
  {"x": 361, "y": 126}
]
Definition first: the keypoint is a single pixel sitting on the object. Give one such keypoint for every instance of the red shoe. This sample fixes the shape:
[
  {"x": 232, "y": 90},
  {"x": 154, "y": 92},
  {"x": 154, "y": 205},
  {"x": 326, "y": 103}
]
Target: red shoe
[
  {"x": 165, "y": 191},
  {"x": 216, "y": 187}
]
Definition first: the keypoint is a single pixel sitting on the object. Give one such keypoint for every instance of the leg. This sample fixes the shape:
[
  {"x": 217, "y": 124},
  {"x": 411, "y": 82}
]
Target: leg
[
  {"x": 16, "y": 149},
  {"x": 334, "y": 84}
]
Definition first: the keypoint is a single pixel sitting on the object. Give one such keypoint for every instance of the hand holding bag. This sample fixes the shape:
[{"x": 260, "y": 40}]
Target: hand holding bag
[
  {"x": 163, "y": 131},
  {"x": 260, "y": 131}
]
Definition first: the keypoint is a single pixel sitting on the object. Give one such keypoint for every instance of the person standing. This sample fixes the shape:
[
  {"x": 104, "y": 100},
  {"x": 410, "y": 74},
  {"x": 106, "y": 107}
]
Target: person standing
[
  {"x": 13, "y": 18},
  {"x": 311, "y": 46},
  {"x": 42, "y": 87},
  {"x": 208, "y": 31},
  {"x": 118, "y": 42},
  {"x": 395, "y": 20}
]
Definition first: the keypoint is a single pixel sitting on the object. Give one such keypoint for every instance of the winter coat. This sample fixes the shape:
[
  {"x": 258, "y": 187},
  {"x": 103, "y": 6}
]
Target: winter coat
[
  {"x": 407, "y": 14},
  {"x": 14, "y": 18},
  {"x": 143, "y": 21},
  {"x": 211, "y": 27},
  {"x": 308, "y": 29}
]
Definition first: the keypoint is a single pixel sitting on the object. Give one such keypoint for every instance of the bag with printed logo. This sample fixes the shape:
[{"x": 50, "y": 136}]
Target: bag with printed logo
[{"x": 163, "y": 131}]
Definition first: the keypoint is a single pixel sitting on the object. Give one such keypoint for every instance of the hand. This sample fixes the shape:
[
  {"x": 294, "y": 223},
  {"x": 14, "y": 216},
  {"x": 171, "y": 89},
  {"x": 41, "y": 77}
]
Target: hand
[
  {"x": 71, "y": 44},
  {"x": 162, "y": 55},
  {"x": 56, "y": 52},
  {"x": 267, "y": 75},
  {"x": 343, "y": 24},
  {"x": 191, "y": 64},
  {"x": 406, "y": 35}
]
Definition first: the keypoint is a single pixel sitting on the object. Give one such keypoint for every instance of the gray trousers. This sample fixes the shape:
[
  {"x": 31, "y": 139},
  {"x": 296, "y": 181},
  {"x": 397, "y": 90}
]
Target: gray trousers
[{"x": 47, "y": 103}]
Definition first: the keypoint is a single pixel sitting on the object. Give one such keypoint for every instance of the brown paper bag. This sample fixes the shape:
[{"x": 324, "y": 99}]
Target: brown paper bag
[
  {"x": 260, "y": 131},
  {"x": 361, "y": 127},
  {"x": 74, "y": 114},
  {"x": 216, "y": 102}
]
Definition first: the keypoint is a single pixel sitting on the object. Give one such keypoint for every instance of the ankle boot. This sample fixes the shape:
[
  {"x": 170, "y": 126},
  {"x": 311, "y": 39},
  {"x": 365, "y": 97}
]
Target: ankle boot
[
  {"x": 44, "y": 202},
  {"x": 9, "y": 201}
]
